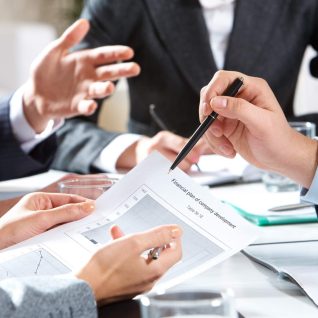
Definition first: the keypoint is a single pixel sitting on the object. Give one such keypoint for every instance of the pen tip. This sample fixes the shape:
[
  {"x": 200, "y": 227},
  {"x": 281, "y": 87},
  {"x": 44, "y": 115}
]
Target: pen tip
[{"x": 169, "y": 170}]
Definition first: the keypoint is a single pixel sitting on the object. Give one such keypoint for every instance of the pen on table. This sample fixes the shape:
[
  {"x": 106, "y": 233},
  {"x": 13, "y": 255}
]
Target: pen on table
[
  {"x": 161, "y": 124},
  {"x": 232, "y": 90},
  {"x": 155, "y": 253},
  {"x": 289, "y": 207}
]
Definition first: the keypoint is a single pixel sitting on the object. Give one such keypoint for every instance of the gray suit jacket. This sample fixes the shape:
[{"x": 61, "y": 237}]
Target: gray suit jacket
[
  {"x": 14, "y": 162},
  {"x": 172, "y": 46},
  {"x": 35, "y": 297}
]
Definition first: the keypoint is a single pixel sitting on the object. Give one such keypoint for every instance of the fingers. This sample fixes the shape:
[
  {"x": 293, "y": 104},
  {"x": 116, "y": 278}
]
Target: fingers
[
  {"x": 109, "y": 54},
  {"x": 73, "y": 34},
  {"x": 59, "y": 199},
  {"x": 115, "y": 71},
  {"x": 116, "y": 232},
  {"x": 86, "y": 107},
  {"x": 171, "y": 144},
  {"x": 66, "y": 213},
  {"x": 254, "y": 90},
  {"x": 100, "y": 89},
  {"x": 240, "y": 109},
  {"x": 159, "y": 236},
  {"x": 221, "y": 145},
  {"x": 168, "y": 257}
]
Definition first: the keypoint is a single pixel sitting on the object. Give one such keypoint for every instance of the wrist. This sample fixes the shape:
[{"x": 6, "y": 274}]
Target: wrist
[
  {"x": 33, "y": 108},
  {"x": 301, "y": 163},
  {"x": 128, "y": 159},
  {"x": 6, "y": 236}
]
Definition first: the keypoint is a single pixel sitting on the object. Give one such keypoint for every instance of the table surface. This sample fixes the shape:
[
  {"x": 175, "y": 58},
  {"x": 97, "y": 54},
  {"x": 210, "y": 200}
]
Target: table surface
[{"x": 259, "y": 292}]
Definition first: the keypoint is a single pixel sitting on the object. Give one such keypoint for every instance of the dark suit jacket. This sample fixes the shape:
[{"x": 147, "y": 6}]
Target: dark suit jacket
[
  {"x": 172, "y": 46},
  {"x": 14, "y": 163}
]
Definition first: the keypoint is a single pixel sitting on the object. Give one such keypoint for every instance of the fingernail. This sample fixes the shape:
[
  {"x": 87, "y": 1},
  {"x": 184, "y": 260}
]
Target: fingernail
[
  {"x": 226, "y": 150},
  {"x": 88, "y": 207},
  {"x": 219, "y": 102},
  {"x": 206, "y": 108},
  {"x": 176, "y": 232}
]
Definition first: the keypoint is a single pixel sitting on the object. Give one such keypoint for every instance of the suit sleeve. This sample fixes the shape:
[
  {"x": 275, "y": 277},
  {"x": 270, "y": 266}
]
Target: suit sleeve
[
  {"x": 314, "y": 40},
  {"x": 61, "y": 297},
  {"x": 14, "y": 162},
  {"x": 80, "y": 140}
]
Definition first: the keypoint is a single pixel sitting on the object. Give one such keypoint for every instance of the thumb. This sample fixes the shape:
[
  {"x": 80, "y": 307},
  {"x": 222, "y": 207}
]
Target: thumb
[
  {"x": 73, "y": 34},
  {"x": 66, "y": 213},
  {"x": 116, "y": 232},
  {"x": 159, "y": 236},
  {"x": 240, "y": 109}
]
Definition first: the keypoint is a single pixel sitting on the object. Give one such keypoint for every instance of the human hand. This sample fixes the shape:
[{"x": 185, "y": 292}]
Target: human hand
[
  {"x": 168, "y": 144},
  {"x": 37, "y": 212},
  {"x": 118, "y": 270},
  {"x": 253, "y": 124},
  {"x": 64, "y": 84}
]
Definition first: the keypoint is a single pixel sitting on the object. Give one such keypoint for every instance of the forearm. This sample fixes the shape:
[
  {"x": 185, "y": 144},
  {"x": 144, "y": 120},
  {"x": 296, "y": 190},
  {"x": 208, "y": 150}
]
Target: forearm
[
  {"x": 46, "y": 296},
  {"x": 80, "y": 143},
  {"x": 301, "y": 161}
]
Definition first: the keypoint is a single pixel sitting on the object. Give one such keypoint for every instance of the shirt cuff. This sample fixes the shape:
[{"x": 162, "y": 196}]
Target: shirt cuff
[
  {"x": 108, "y": 157},
  {"x": 311, "y": 194},
  {"x": 23, "y": 132}
]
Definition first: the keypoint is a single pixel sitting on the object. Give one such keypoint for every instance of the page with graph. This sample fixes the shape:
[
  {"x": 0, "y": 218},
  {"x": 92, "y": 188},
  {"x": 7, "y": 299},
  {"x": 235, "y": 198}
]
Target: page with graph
[{"x": 146, "y": 197}]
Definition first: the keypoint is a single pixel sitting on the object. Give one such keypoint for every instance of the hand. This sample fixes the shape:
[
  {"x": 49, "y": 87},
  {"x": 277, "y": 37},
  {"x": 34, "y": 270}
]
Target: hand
[
  {"x": 37, "y": 212},
  {"x": 168, "y": 144},
  {"x": 253, "y": 124},
  {"x": 64, "y": 84},
  {"x": 6, "y": 205},
  {"x": 118, "y": 270}
]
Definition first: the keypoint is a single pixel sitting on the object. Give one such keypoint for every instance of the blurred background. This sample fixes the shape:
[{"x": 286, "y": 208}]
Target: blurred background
[{"x": 26, "y": 26}]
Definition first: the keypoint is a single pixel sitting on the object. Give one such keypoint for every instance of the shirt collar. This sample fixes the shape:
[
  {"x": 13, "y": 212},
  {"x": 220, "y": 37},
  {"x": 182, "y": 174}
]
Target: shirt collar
[{"x": 212, "y": 4}]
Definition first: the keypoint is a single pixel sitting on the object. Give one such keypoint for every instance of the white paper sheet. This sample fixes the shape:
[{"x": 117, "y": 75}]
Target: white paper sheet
[
  {"x": 296, "y": 260},
  {"x": 217, "y": 170},
  {"x": 146, "y": 197}
]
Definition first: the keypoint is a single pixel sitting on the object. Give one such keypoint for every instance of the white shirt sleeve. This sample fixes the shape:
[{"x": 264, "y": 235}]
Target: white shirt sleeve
[
  {"x": 108, "y": 157},
  {"x": 22, "y": 131},
  {"x": 311, "y": 195}
]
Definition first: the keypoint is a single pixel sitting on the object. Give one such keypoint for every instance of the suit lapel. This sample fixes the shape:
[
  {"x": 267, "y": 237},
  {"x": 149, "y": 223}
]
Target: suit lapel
[
  {"x": 181, "y": 27},
  {"x": 254, "y": 23}
]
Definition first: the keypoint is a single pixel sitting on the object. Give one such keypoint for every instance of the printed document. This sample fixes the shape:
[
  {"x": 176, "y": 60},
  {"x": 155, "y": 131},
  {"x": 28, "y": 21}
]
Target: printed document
[{"x": 146, "y": 197}]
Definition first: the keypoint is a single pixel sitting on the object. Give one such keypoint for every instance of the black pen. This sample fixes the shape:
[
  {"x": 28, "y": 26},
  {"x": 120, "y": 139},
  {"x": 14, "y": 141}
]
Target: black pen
[
  {"x": 161, "y": 124},
  {"x": 232, "y": 90}
]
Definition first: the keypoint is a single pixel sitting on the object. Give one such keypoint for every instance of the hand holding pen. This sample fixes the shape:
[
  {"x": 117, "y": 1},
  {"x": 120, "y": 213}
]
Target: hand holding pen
[
  {"x": 231, "y": 90},
  {"x": 254, "y": 125}
]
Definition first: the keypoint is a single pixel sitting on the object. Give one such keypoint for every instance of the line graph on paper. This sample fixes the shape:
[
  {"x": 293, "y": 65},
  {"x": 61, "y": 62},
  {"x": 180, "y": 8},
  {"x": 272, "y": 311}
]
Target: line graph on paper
[
  {"x": 144, "y": 210},
  {"x": 38, "y": 262}
]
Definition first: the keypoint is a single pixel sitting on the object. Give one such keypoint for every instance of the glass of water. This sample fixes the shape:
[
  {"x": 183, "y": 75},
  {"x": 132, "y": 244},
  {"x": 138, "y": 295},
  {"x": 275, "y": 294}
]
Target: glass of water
[{"x": 188, "y": 304}]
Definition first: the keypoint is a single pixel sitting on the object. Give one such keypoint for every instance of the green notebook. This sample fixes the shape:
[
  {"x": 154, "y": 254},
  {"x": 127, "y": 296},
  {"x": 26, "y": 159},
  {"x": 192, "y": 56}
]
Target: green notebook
[{"x": 263, "y": 220}]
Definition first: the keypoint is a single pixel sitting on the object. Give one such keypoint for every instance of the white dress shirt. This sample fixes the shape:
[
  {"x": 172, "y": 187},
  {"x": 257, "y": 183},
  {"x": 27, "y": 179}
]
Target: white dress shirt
[
  {"x": 219, "y": 16},
  {"x": 311, "y": 195},
  {"x": 23, "y": 132}
]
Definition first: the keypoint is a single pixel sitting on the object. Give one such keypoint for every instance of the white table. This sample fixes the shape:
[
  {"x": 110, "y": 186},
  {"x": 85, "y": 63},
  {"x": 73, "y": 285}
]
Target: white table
[{"x": 259, "y": 292}]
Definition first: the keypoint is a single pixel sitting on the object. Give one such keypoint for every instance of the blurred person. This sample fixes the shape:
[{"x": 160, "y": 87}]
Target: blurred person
[
  {"x": 254, "y": 125},
  {"x": 179, "y": 44},
  {"x": 61, "y": 84}
]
